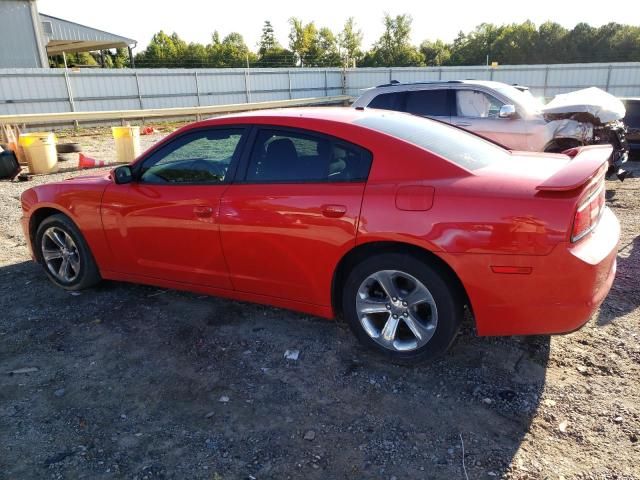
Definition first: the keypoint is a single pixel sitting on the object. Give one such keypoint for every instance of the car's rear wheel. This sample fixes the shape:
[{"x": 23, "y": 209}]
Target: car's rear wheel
[
  {"x": 402, "y": 307},
  {"x": 64, "y": 254}
]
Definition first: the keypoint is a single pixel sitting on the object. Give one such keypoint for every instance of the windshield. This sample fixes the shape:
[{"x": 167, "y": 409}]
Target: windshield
[
  {"x": 526, "y": 99},
  {"x": 460, "y": 147}
]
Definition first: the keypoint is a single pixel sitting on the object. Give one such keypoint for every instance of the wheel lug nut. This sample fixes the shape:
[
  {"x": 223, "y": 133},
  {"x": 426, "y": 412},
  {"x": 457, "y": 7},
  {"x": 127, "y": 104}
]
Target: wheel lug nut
[
  {"x": 404, "y": 304},
  {"x": 395, "y": 316},
  {"x": 394, "y": 299},
  {"x": 406, "y": 314},
  {"x": 388, "y": 306}
]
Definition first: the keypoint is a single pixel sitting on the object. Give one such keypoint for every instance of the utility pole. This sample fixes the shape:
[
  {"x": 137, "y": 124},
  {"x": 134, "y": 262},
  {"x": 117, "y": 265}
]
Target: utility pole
[{"x": 246, "y": 79}]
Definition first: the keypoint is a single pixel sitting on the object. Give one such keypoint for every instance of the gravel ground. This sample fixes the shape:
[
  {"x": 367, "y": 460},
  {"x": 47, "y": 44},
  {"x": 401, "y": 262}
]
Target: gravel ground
[{"x": 128, "y": 381}]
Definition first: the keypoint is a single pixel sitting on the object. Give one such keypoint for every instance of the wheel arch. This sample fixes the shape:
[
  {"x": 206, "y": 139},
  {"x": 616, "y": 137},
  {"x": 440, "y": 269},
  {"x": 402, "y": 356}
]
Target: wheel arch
[
  {"x": 35, "y": 219},
  {"x": 562, "y": 143},
  {"x": 362, "y": 251}
]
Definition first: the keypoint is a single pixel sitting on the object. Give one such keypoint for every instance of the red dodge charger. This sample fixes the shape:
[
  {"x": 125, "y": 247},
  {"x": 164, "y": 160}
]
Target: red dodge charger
[{"x": 395, "y": 222}]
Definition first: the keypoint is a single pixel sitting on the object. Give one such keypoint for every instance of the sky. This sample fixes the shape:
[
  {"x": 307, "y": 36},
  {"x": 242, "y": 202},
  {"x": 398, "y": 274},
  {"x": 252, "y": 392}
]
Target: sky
[{"x": 194, "y": 21}]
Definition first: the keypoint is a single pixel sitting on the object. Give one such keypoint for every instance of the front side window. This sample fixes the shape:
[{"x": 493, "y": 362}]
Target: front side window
[
  {"x": 430, "y": 103},
  {"x": 198, "y": 157},
  {"x": 293, "y": 157},
  {"x": 476, "y": 104}
]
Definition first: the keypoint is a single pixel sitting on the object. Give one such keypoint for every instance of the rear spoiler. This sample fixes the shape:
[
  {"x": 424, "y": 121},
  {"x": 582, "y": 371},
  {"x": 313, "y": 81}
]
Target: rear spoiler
[{"x": 585, "y": 163}]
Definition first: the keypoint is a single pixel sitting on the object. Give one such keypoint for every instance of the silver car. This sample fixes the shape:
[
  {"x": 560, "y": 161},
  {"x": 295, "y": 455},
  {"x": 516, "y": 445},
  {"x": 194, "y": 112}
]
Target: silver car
[{"x": 510, "y": 115}]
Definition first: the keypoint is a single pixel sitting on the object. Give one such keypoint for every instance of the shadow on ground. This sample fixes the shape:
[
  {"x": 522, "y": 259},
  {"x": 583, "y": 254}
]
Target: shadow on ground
[{"x": 129, "y": 381}]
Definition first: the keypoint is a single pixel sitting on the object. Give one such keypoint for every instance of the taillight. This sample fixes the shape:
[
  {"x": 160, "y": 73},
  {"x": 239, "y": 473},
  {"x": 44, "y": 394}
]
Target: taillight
[{"x": 588, "y": 214}]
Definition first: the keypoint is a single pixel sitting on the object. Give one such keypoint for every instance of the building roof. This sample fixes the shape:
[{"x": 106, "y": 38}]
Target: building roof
[{"x": 65, "y": 36}]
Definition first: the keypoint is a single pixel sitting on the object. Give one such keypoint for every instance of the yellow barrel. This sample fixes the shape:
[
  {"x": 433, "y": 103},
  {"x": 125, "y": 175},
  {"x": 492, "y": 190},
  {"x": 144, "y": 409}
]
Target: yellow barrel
[
  {"x": 40, "y": 150},
  {"x": 127, "y": 143}
]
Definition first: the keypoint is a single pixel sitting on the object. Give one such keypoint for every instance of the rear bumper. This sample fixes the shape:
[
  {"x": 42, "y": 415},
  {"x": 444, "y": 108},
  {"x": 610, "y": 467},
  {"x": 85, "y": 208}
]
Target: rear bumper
[{"x": 560, "y": 294}]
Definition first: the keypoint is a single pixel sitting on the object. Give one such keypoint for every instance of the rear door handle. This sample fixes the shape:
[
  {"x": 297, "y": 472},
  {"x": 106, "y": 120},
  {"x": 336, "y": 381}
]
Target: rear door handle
[
  {"x": 203, "y": 211},
  {"x": 334, "y": 211},
  {"x": 463, "y": 124}
]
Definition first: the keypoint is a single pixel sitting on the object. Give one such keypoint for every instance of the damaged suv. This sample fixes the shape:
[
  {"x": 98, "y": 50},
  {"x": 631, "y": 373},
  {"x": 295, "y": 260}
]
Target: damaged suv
[{"x": 511, "y": 116}]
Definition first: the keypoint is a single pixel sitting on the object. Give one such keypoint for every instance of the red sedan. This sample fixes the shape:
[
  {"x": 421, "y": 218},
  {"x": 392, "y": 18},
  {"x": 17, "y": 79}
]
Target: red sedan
[{"x": 395, "y": 222}]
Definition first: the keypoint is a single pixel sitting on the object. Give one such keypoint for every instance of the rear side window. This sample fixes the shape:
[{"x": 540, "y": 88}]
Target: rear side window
[
  {"x": 460, "y": 147},
  {"x": 284, "y": 156},
  {"x": 388, "y": 101},
  {"x": 431, "y": 103}
]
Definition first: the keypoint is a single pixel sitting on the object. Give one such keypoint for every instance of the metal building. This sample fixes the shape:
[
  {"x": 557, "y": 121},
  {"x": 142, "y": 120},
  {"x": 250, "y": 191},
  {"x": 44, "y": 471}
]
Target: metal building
[{"x": 28, "y": 38}]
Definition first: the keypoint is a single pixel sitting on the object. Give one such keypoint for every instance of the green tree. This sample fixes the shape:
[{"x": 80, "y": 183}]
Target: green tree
[
  {"x": 195, "y": 56},
  {"x": 120, "y": 58},
  {"x": 268, "y": 40},
  {"x": 515, "y": 43},
  {"x": 81, "y": 59},
  {"x": 329, "y": 54},
  {"x": 161, "y": 52},
  {"x": 578, "y": 43},
  {"x": 270, "y": 53},
  {"x": 474, "y": 48},
  {"x": 435, "y": 53},
  {"x": 231, "y": 51},
  {"x": 394, "y": 48},
  {"x": 350, "y": 42},
  {"x": 626, "y": 43},
  {"x": 303, "y": 41},
  {"x": 550, "y": 38}
]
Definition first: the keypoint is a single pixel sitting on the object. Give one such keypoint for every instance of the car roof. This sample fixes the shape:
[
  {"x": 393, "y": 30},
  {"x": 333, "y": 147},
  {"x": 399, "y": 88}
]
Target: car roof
[
  {"x": 332, "y": 114},
  {"x": 484, "y": 83}
]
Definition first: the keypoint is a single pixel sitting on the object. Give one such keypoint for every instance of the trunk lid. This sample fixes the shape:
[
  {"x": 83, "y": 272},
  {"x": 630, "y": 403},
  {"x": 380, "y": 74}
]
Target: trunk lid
[{"x": 547, "y": 172}]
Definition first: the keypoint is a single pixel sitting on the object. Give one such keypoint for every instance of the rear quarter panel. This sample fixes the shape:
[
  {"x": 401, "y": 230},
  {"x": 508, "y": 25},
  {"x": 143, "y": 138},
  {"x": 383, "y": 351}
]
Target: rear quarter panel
[{"x": 468, "y": 213}]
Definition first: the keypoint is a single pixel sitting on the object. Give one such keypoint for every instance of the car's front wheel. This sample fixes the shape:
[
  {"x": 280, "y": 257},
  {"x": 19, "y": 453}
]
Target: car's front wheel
[
  {"x": 402, "y": 307},
  {"x": 64, "y": 254}
]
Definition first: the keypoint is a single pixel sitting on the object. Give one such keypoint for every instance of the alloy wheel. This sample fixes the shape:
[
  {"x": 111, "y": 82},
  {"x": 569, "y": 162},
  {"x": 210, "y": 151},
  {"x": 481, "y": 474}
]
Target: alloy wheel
[
  {"x": 396, "y": 310},
  {"x": 60, "y": 254}
]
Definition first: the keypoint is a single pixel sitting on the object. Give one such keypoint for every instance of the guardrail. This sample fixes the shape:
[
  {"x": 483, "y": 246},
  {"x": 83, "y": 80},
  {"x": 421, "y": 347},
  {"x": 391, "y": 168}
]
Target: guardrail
[{"x": 122, "y": 115}]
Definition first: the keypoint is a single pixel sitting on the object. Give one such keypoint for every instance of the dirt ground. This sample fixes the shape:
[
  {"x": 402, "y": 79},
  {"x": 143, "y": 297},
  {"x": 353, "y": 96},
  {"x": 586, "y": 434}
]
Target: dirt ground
[{"x": 128, "y": 381}]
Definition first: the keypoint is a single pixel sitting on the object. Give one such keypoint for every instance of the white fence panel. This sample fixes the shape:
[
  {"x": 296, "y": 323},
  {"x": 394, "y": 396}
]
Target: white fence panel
[{"x": 54, "y": 90}]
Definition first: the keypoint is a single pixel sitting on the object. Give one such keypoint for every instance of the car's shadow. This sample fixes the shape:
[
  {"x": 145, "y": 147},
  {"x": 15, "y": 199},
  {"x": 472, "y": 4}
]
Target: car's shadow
[{"x": 168, "y": 383}]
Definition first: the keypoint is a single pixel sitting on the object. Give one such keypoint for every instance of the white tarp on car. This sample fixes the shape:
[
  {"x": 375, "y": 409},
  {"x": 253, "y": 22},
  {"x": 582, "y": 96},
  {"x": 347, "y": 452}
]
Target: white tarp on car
[{"x": 595, "y": 101}]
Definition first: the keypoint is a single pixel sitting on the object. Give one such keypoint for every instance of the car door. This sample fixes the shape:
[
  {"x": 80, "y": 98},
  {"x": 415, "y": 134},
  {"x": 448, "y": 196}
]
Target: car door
[
  {"x": 164, "y": 224},
  {"x": 286, "y": 225},
  {"x": 478, "y": 111}
]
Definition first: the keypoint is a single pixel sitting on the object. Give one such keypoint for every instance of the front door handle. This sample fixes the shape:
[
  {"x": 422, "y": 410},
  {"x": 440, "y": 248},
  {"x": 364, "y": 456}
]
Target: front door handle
[
  {"x": 334, "y": 211},
  {"x": 203, "y": 211},
  {"x": 463, "y": 124}
]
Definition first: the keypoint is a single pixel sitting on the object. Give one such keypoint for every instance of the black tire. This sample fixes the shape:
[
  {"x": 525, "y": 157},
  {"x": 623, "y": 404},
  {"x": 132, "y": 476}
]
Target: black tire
[
  {"x": 88, "y": 274},
  {"x": 68, "y": 148},
  {"x": 561, "y": 144},
  {"x": 65, "y": 157},
  {"x": 444, "y": 290}
]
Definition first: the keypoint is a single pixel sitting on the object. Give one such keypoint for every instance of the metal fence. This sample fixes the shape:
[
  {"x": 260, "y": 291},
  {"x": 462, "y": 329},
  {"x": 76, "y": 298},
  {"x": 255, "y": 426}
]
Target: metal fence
[
  {"x": 620, "y": 79},
  {"x": 24, "y": 91}
]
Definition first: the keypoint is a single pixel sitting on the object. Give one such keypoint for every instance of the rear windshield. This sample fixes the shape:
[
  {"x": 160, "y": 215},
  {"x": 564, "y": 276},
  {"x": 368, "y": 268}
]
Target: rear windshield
[{"x": 460, "y": 147}]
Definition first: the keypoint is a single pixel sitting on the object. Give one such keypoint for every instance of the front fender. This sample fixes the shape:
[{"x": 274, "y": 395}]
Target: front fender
[{"x": 81, "y": 203}]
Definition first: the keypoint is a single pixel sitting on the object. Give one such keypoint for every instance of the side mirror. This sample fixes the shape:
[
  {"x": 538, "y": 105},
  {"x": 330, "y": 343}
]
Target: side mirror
[
  {"x": 122, "y": 174},
  {"x": 507, "y": 111}
]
